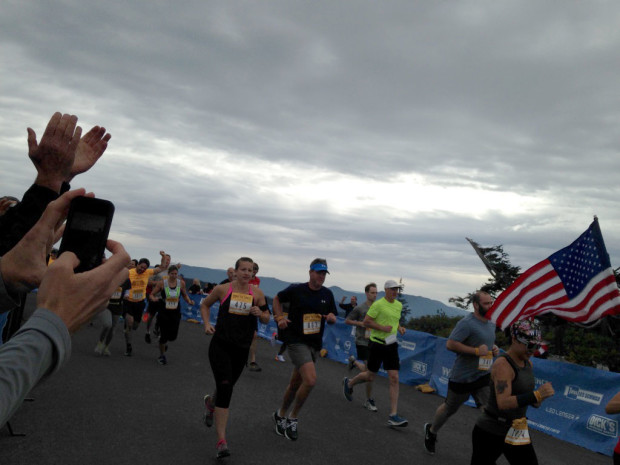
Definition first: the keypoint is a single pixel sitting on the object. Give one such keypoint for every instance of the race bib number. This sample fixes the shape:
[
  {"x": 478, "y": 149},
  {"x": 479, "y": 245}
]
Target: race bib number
[
  {"x": 518, "y": 434},
  {"x": 240, "y": 304},
  {"x": 116, "y": 295},
  {"x": 312, "y": 323},
  {"x": 391, "y": 339},
  {"x": 485, "y": 362},
  {"x": 172, "y": 304},
  {"x": 137, "y": 295}
]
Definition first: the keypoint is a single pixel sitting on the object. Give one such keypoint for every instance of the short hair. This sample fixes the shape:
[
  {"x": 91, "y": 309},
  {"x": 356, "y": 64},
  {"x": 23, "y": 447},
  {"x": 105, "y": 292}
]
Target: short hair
[
  {"x": 243, "y": 259},
  {"x": 255, "y": 266},
  {"x": 475, "y": 298},
  {"x": 172, "y": 268},
  {"x": 144, "y": 260},
  {"x": 368, "y": 286}
]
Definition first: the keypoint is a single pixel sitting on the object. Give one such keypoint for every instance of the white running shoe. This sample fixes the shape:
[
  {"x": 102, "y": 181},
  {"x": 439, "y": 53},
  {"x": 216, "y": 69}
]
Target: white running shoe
[{"x": 99, "y": 348}]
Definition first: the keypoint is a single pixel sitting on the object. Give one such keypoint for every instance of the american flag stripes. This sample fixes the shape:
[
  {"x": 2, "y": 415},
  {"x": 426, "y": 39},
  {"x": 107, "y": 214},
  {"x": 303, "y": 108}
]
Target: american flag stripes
[{"x": 576, "y": 283}]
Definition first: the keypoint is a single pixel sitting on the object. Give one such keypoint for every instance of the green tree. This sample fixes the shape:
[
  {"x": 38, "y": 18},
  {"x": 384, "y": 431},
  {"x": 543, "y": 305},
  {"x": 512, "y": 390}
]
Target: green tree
[
  {"x": 437, "y": 325},
  {"x": 503, "y": 273}
]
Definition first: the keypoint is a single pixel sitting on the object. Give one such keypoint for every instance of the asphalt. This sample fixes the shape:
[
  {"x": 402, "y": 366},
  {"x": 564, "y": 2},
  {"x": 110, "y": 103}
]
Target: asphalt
[{"x": 130, "y": 410}]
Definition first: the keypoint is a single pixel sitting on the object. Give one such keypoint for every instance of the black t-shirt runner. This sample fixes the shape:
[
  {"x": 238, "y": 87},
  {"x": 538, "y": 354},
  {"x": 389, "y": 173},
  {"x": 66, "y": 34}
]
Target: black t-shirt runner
[{"x": 306, "y": 312}]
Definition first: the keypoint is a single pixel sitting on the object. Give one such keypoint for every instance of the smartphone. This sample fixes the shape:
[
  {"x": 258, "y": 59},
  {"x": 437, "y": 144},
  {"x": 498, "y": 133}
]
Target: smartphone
[{"x": 86, "y": 231}]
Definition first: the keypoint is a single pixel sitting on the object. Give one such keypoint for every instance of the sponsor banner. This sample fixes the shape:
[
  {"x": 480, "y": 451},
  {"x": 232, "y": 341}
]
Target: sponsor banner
[
  {"x": 338, "y": 341},
  {"x": 444, "y": 359},
  {"x": 576, "y": 413},
  {"x": 417, "y": 356}
]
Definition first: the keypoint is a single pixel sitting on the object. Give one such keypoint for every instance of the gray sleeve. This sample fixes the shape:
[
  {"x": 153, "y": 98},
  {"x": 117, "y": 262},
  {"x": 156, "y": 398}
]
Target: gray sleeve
[
  {"x": 355, "y": 314},
  {"x": 7, "y": 302},
  {"x": 39, "y": 348}
]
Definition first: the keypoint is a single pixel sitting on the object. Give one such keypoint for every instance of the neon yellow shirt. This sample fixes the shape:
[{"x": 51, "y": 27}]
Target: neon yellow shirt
[{"x": 385, "y": 314}]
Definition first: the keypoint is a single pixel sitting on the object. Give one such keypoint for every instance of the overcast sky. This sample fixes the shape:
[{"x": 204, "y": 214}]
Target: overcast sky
[{"x": 375, "y": 134}]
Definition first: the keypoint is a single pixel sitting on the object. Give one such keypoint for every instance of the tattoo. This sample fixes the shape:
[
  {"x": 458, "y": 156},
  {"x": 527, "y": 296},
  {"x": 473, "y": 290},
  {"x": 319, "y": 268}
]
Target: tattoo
[{"x": 500, "y": 386}]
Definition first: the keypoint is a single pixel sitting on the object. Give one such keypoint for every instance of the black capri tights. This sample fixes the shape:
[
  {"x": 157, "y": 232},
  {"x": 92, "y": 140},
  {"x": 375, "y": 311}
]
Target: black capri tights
[{"x": 227, "y": 363}]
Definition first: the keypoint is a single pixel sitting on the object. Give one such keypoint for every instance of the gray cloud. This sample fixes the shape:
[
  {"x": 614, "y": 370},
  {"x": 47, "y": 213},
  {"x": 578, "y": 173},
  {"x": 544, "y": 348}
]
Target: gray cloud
[{"x": 221, "y": 112}]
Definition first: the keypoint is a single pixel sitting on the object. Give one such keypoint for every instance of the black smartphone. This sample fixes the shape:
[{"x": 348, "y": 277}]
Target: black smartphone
[{"x": 86, "y": 231}]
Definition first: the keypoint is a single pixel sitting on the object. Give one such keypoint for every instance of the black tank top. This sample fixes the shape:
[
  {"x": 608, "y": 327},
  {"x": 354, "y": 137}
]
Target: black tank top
[{"x": 497, "y": 421}]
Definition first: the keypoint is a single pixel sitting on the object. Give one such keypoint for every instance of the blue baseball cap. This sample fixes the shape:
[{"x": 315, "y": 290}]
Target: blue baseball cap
[{"x": 319, "y": 264}]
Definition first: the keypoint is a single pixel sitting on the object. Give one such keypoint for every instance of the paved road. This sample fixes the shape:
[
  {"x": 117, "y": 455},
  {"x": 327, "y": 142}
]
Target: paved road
[{"x": 121, "y": 410}]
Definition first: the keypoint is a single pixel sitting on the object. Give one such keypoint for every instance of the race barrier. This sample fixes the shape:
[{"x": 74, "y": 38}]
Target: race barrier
[{"x": 575, "y": 414}]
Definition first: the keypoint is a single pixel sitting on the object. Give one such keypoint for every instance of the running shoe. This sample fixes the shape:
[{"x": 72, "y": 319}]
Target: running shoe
[
  {"x": 429, "y": 439},
  {"x": 222, "y": 449},
  {"x": 162, "y": 360},
  {"x": 147, "y": 338},
  {"x": 351, "y": 362},
  {"x": 346, "y": 390},
  {"x": 396, "y": 420},
  {"x": 106, "y": 351},
  {"x": 207, "y": 418},
  {"x": 99, "y": 348},
  {"x": 254, "y": 367},
  {"x": 128, "y": 350},
  {"x": 280, "y": 423},
  {"x": 291, "y": 429},
  {"x": 280, "y": 358},
  {"x": 370, "y": 404}
]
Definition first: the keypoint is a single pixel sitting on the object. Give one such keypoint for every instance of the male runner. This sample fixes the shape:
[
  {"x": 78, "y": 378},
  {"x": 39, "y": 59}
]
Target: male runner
[
  {"x": 362, "y": 335},
  {"x": 134, "y": 299},
  {"x": 383, "y": 319},
  {"x": 470, "y": 339},
  {"x": 310, "y": 306}
]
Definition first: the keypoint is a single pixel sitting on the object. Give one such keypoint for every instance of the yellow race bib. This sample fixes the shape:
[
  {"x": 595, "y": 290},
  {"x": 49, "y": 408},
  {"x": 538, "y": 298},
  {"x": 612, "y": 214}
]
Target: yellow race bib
[
  {"x": 485, "y": 362},
  {"x": 312, "y": 323},
  {"x": 518, "y": 434},
  {"x": 240, "y": 304}
]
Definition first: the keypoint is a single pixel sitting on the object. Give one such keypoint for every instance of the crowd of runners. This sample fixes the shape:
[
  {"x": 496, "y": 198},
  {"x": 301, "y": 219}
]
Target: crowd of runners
[{"x": 502, "y": 385}]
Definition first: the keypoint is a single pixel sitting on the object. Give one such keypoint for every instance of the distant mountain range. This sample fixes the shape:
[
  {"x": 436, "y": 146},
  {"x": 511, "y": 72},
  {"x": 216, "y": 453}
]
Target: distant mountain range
[{"x": 418, "y": 305}]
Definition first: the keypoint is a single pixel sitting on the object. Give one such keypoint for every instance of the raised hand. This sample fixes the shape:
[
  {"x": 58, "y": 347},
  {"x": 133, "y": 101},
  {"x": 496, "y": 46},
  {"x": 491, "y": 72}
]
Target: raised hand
[
  {"x": 54, "y": 156},
  {"x": 89, "y": 150}
]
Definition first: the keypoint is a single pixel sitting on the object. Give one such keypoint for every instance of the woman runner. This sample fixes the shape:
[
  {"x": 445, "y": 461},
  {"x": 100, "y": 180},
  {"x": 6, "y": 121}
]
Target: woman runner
[
  {"x": 240, "y": 305},
  {"x": 169, "y": 291}
]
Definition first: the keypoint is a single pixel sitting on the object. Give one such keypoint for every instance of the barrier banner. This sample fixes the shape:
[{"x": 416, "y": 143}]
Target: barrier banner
[
  {"x": 338, "y": 341},
  {"x": 576, "y": 413},
  {"x": 442, "y": 368},
  {"x": 416, "y": 351}
]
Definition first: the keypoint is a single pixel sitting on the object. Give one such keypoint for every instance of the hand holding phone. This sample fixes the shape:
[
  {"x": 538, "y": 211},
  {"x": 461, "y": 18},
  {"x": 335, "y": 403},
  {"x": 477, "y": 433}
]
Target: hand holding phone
[{"x": 86, "y": 231}]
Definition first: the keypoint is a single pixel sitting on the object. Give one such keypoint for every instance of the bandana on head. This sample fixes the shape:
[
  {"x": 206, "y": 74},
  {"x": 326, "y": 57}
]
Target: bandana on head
[{"x": 527, "y": 332}]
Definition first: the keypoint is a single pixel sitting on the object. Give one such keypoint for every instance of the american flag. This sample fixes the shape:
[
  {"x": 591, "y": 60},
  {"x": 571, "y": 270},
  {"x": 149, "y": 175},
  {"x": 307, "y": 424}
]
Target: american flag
[{"x": 576, "y": 283}]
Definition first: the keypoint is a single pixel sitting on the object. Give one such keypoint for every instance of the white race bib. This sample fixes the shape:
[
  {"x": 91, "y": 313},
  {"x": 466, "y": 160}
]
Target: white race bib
[
  {"x": 391, "y": 339},
  {"x": 137, "y": 295}
]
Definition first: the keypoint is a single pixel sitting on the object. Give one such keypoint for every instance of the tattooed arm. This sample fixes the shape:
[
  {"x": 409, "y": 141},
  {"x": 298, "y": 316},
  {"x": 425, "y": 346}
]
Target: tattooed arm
[{"x": 502, "y": 376}]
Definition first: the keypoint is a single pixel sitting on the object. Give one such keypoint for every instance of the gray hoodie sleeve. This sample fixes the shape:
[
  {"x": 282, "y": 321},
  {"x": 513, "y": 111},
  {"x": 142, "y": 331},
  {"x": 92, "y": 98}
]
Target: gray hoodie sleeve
[{"x": 41, "y": 346}]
